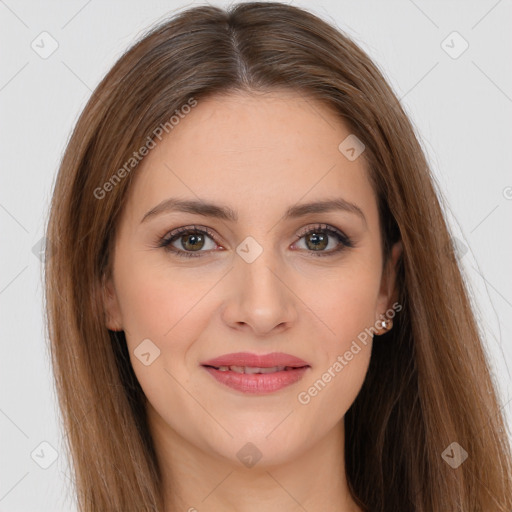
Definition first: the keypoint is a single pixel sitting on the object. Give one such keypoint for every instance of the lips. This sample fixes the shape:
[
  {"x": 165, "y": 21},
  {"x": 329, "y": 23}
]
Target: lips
[
  {"x": 254, "y": 369},
  {"x": 245, "y": 359},
  {"x": 254, "y": 373}
]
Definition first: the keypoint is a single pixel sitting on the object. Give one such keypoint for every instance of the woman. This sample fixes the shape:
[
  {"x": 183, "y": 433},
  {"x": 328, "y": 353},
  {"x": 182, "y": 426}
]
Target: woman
[{"x": 253, "y": 298}]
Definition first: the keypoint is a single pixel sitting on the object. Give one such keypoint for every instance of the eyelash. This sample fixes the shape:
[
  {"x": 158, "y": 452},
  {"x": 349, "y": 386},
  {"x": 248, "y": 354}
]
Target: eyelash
[{"x": 166, "y": 242}]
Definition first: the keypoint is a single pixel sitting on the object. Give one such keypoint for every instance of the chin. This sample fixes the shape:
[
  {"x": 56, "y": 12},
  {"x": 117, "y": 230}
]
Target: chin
[{"x": 254, "y": 450}]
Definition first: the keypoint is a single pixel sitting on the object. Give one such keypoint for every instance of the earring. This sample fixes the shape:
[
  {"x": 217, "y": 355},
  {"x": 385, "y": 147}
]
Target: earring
[{"x": 386, "y": 324}]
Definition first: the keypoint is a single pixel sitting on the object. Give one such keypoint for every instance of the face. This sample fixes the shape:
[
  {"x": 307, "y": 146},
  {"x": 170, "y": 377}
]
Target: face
[{"x": 190, "y": 286}]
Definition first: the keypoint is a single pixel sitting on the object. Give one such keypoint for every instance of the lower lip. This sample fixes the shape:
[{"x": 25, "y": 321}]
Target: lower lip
[{"x": 257, "y": 383}]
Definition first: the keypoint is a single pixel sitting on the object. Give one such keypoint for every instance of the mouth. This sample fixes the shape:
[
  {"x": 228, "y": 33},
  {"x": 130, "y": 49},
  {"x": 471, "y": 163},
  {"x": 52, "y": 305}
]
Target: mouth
[
  {"x": 252, "y": 370},
  {"x": 256, "y": 374}
]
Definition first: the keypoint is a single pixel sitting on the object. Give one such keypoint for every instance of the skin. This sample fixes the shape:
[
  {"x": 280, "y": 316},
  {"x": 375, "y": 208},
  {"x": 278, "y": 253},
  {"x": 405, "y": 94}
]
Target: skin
[{"x": 257, "y": 154}]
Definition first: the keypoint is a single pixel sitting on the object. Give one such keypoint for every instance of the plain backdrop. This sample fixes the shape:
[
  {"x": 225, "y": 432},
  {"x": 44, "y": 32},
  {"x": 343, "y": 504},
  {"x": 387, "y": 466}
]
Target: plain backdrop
[{"x": 456, "y": 88}]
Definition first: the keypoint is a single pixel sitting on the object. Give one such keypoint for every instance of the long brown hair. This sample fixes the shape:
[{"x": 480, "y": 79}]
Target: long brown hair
[{"x": 428, "y": 384}]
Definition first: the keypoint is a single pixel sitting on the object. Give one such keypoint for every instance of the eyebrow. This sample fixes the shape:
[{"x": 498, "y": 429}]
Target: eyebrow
[{"x": 208, "y": 209}]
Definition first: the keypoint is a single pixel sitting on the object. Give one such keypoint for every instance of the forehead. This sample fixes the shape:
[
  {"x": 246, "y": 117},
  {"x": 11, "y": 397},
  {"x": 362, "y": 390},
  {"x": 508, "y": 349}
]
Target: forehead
[{"x": 253, "y": 151}]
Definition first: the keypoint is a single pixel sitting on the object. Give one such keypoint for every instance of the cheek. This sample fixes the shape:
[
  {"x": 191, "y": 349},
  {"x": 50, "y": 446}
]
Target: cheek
[
  {"x": 155, "y": 303},
  {"x": 346, "y": 307},
  {"x": 332, "y": 387},
  {"x": 165, "y": 308},
  {"x": 171, "y": 310},
  {"x": 345, "y": 300}
]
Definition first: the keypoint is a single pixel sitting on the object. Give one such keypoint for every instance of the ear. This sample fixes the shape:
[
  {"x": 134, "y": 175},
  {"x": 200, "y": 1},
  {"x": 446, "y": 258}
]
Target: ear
[
  {"x": 388, "y": 293},
  {"x": 113, "y": 318}
]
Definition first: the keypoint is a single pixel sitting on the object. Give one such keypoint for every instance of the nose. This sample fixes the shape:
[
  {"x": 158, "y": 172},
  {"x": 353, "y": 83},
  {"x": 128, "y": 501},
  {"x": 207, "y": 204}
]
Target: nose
[{"x": 260, "y": 299}]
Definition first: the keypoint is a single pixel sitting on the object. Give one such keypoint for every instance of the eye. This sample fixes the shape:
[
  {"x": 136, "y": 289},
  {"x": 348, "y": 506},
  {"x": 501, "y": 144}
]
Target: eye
[
  {"x": 317, "y": 239},
  {"x": 193, "y": 240}
]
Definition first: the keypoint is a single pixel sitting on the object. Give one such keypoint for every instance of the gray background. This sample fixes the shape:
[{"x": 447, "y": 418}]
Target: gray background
[{"x": 461, "y": 107}]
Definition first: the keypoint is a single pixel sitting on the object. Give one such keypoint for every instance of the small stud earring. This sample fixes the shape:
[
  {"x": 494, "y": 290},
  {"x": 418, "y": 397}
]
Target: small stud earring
[{"x": 386, "y": 324}]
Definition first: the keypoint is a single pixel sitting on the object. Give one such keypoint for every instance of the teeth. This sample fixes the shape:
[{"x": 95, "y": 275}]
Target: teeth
[
  {"x": 249, "y": 369},
  {"x": 252, "y": 369}
]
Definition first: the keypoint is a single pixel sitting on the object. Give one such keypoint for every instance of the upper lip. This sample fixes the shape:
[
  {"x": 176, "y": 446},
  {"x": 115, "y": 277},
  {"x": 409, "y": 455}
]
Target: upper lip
[{"x": 256, "y": 360}]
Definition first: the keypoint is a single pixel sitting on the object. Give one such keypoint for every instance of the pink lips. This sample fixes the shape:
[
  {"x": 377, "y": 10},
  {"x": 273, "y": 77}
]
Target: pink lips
[{"x": 288, "y": 369}]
